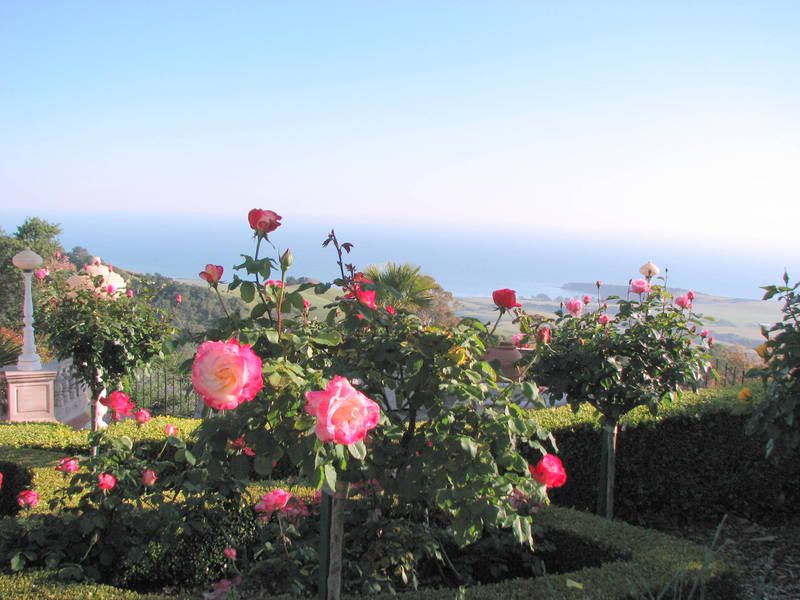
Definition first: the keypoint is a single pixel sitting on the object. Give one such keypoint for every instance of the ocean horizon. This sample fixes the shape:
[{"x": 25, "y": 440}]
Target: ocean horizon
[{"x": 466, "y": 262}]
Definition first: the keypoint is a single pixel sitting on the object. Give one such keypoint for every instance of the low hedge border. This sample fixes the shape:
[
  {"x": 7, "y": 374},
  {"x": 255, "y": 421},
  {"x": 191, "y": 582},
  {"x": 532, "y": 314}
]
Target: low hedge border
[
  {"x": 655, "y": 560},
  {"x": 694, "y": 458}
]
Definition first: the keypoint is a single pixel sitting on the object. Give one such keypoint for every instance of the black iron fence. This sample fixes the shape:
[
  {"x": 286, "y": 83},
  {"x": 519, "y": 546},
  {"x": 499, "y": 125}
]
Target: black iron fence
[
  {"x": 163, "y": 393},
  {"x": 725, "y": 373}
]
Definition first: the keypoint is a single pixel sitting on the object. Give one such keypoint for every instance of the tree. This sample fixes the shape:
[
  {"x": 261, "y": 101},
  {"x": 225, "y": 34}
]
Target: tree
[
  {"x": 79, "y": 256},
  {"x": 403, "y": 286},
  {"x": 40, "y": 236}
]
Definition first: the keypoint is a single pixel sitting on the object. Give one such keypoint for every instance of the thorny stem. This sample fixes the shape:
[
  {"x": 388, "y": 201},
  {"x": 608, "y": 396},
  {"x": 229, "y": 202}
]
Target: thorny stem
[
  {"x": 222, "y": 303},
  {"x": 258, "y": 284},
  {"x": 496, "y": 323}
]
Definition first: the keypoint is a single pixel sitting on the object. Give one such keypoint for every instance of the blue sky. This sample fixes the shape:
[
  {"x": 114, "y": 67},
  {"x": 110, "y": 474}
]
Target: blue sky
[{"x": 673, "y": 120}]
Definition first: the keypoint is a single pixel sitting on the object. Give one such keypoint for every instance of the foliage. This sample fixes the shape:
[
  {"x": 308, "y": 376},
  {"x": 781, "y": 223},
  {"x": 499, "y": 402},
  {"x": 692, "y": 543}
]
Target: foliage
[
  {"x": 779, "y": 414},
  {"x": 106, "y": 337},
  {"x": 645, "y": 354},
  {"x": 10, "y": 346},
  {"x": 41, "y": 237},
  {"x": 403, "y": 286}
]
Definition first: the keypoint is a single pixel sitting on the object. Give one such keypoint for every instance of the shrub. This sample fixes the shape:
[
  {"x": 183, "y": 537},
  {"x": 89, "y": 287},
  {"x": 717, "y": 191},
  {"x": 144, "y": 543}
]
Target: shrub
[
  {"x": 15, "y": 479},
  {"x": 692, "y": 461}
]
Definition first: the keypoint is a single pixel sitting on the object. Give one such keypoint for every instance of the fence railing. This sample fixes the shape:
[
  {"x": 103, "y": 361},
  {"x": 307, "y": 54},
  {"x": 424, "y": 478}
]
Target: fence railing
[
  {"x": 164, "y": 393},
  {"x": 727, "y": 374}
]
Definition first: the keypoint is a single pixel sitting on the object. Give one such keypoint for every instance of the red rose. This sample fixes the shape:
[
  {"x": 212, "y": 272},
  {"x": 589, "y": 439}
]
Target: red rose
[
  {"x": 212, "y": 274},
  {"x": 264, "y": 221},
  {"x": 505, "y": 298},
  {"x": 549, "y": 471}
]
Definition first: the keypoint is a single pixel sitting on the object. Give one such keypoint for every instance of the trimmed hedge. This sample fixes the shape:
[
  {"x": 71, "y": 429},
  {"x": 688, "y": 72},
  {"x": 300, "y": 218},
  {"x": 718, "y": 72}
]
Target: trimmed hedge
[
  {"x": 15, "y": 479},
  {"x": 655, "y": 559},
  {"x": 693, "y": 460}
]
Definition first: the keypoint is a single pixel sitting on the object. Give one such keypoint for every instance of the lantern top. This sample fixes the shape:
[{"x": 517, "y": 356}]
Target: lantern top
[{"x": 27, "y": 260}]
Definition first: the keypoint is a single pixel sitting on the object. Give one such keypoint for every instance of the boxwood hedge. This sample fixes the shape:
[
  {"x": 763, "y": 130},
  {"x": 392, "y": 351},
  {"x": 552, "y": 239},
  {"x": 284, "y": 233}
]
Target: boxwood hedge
[{"x": 692, "y": 461}]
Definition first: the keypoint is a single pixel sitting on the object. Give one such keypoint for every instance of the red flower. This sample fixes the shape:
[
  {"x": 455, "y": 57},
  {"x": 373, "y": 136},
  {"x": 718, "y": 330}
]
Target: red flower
[
  {"x": 68, "y": 464},
  {"x": 106, "y": 481},
  {"x": 366, "y": 297},
  {"x": 505, "y": 298},
  {"x": 212, "y": 274},
  {"x": 391, "y": 310},
  {"x": 543, "y": 335},
  {"x": 178, "y": 298},
  {"x": 28, "y": 498},
  {"x": 549, "y": 471},
  {"x": 360, "y": 278},
  {"x": 587, "y": 299},
  {"x": 263, "y": 221},
  {"x": 120, "y": 403}
]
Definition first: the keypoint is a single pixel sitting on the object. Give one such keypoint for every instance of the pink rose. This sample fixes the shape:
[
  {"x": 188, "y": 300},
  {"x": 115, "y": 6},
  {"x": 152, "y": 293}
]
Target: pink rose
[
  {"x": 68, "y": 464},
  {"x": 171, "y": 430},
  {"x": 549, "y": 471},
  {"x": 391, "y": 310},
  {"x": 277, "y": 283},
  {"x": 212, "y": 274},
  {"x": 505, "y": 299},
  {"x": 129, "y": 293},
  {"x": 230, "y": 553},
  {"x": 263, "y": 221},
  {"x": 344, "y": 415},
  {"x": 226, "y": 374},
  {"x": 106, "y": 481},
  {"x": 684, "y": 301},
  {"x": 110, "y": 289},
  {"x": 640, "y": 286},
  {"x": 543, "y": 334},
  {"x": 306, "y": 304},
  {"x": 142, "y": 416},
  {"x": 574, "y": 306},
  {"x": 28, "y": 498},
  {"x": 704, "y": 333},
  {"x": 295, "y": 509},
  {"x": 604, "y": 319},
  {"x": 41, "y": 274},
  {"x": 587, "y": 299},
  {"x": 1, "y": 481},
  {"x": 690, "y": 295},
  {"x": 518, "y": 339},
  {"x": 366, "y": 297},
  {"x": 120, "y": 403},
  {"x": 178, "y": 298},
  {"x": 272, "y": 501},
  {"x": 149, "y": 477}
]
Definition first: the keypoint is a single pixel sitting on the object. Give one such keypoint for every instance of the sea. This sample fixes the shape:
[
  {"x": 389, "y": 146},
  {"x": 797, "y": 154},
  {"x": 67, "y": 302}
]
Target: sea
[{"x": 467, "y": 261}]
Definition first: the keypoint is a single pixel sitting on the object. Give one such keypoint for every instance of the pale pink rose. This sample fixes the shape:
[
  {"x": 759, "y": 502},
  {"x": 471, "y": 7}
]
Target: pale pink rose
[
  {"x": 28, "y": 498},
  {"x": 587, "y": 299},
  {"x": 604, "y": 319},
  {"x": 106, "y": 481},
  {"x": 142, "y": 416},
  {"x": 230, "y": 553},
  {"x": 344, "y": 415},
  {"x": 171, "y": 430},
  {"x": 68, "y": 464},
  {"x": 683, "y": 301},
  {"x": 41, "y": 274},
  {"x": 272, "y": 501},
  {"x": 574, "y": 306},
  {"x": 149, "y": 477},
  {"x": 226, "y": 374},
  {"x": 640, "y": 286}
]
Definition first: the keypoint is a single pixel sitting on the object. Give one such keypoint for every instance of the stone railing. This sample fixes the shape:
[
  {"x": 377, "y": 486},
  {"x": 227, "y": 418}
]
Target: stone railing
[{"x": 71, "y": 396}]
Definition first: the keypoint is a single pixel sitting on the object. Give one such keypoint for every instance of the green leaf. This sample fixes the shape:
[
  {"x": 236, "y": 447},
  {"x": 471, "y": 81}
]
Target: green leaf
[
  {"x": 263, "y": 465},
  {"x": 259, "y": 310},
  {"x": 329, "y": 477},
  {"x": 571, "y": 583},
  {"x": 18, "y": 562},
  {"x": 189, "y": 457},
  {"x": 126, "y": 442},
  {"x": 358, "y": 450},
  {"x": 327, "y": 338},
  {"x": 248, "y": 291},
  {"x": 469, "y": 446}
]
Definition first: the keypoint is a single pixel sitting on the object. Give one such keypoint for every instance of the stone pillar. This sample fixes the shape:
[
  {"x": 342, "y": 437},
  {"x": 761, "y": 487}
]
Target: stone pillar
[
  {"x": 26, "y": 261},
  {"x": 31, "y": 395}
]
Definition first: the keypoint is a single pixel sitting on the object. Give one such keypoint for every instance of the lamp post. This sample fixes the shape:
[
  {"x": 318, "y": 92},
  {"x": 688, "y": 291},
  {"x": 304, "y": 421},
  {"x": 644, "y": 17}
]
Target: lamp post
[{"x": 27, "y": 261}]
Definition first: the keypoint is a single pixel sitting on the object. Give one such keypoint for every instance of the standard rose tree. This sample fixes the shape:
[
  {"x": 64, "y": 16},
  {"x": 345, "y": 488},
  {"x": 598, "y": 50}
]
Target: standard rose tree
[{"x": 617, "y": 355}]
